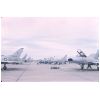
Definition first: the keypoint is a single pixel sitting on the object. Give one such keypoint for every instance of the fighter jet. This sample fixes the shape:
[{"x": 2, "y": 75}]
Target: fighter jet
[
  {"x": 82, "y": 59},
  {"x": 61, "y": 61},
  {"x": 12, "y": 59}
]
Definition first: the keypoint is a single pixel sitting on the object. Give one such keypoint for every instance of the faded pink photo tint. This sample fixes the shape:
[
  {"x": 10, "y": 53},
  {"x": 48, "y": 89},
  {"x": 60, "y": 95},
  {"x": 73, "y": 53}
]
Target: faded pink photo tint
[{"x": 48, "y": 49}]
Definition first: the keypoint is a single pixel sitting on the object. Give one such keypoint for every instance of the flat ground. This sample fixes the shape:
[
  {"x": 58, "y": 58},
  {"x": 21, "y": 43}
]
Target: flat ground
[{"x": 43, "y": 73}]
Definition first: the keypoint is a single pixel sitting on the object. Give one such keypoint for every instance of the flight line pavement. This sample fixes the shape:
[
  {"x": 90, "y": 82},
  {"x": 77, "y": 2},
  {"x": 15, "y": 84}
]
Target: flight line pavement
[{"x": 43, "y": 73}]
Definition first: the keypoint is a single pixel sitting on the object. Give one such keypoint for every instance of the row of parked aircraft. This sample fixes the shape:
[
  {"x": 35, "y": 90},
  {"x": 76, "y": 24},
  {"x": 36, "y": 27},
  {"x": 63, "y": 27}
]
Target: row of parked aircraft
[
  {"x": 82, "y": 59},
  {"x": 53, "y": 60},
  {"x": 15, "y": 58}
]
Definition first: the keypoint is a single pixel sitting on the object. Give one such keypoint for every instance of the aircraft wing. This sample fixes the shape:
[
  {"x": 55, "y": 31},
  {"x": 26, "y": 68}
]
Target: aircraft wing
[{"x": 9, "y": 62}]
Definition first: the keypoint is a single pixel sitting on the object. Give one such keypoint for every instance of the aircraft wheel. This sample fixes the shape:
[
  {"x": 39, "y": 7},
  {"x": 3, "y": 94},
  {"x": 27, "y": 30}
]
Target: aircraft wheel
[
  {"x": 4, "y": 67},
  {"x": 98, "y": 68}
]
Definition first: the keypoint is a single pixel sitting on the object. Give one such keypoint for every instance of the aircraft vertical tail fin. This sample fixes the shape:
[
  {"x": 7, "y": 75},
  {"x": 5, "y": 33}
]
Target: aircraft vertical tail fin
[
  {"x": 64, "y": 58},
  {"x": 97, "y": 55},
  {"x": 18, "y": 53}
]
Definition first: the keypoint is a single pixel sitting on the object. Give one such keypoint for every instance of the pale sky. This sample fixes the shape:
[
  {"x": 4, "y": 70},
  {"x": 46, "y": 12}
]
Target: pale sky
[{"x": 49, "y": 36}]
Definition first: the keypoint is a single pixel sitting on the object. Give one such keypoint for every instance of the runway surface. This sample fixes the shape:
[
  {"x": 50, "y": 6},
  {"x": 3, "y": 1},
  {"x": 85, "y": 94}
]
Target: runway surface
[{"x": 43, "y": 73}]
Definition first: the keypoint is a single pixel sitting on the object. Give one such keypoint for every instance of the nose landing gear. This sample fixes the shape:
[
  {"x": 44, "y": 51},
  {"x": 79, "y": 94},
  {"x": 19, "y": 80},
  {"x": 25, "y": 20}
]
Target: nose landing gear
[{"x": 5, "y": 67}]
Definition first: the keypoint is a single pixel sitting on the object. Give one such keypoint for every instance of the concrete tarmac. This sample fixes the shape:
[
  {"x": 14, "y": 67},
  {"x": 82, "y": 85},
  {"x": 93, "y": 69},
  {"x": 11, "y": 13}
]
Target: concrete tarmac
[{"x": 43, "y": 73}]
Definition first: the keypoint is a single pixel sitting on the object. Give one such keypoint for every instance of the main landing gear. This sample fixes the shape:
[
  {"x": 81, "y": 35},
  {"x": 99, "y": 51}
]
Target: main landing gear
[
  {"x": 98, "y": 67},
  {"x": 89, "y": 66}
]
